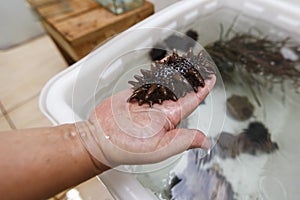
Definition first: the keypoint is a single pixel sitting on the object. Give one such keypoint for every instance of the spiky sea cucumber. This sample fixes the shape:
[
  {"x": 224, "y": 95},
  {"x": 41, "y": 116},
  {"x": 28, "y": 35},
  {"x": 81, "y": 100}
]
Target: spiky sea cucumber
[{"x": 172, "y": 78}]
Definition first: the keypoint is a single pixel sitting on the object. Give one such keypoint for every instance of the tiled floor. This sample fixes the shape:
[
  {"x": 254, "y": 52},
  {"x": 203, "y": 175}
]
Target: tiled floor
[{"x": 23, "y": 72}]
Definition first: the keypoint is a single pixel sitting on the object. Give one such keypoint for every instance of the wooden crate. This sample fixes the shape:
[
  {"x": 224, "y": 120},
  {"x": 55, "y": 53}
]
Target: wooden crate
[{"x": 78, "y": 26}]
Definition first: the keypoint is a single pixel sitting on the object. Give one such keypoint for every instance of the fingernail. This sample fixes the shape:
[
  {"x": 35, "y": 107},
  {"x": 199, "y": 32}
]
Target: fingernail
[
  {"x": 211, "y": 82},
  {"x": 205, "y": 144}
]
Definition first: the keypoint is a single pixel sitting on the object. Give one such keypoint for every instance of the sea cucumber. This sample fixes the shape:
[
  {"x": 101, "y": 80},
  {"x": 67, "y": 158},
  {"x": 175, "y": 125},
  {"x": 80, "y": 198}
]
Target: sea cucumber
[{"x": 172, "y": 78}]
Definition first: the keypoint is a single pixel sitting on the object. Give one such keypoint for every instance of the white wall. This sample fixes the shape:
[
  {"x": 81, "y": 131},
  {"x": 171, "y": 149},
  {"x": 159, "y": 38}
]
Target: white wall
[
  {"x": 161, "y": 4},
  {"x": 17, "y": 24}
]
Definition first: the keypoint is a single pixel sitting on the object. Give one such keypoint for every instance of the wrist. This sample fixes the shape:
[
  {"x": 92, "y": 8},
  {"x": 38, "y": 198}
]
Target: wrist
[{"x": 73, "y": 132}]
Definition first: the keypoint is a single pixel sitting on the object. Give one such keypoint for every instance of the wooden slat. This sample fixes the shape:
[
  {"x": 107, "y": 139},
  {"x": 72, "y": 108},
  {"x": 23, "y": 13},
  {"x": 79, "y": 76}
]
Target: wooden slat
[
  {"x": 98, "y": 19},
  {"x": 38, "y": 3},
  {"x": 82, "y": 25},
  {"x": 86, "y": 44},
  {"x": 60, "y": 10},
  {"x": 61, "y": 41}
]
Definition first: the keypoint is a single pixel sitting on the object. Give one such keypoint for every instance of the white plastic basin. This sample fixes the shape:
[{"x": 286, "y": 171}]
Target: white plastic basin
[{"x": 69, "y": 96}]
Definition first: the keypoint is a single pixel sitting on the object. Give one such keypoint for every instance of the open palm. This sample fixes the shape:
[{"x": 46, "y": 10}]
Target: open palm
[{"x": 133, "y": 134}]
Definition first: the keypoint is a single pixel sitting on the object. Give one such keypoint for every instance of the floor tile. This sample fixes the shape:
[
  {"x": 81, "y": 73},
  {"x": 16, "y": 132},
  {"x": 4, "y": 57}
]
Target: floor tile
[
  {"x": 29, "y": 115},
  {"x": 4, "y": 126},
  {"x": 2, "y": 109},
  {"x": 25, "y": 69},
  {"x": 94, "y": 189}
]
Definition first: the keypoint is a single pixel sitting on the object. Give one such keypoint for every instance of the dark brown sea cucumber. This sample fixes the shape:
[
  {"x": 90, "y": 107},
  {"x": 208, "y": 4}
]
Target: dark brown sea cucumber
[{"x": 172, "y": 78}]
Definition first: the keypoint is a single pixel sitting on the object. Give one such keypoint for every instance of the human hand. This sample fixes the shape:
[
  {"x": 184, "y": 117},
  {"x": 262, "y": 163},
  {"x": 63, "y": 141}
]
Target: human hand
[{"x": 120, "y": 133}]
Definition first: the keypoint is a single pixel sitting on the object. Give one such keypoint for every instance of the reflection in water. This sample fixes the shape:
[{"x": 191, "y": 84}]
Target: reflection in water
[{"x": 202, "y": 178}]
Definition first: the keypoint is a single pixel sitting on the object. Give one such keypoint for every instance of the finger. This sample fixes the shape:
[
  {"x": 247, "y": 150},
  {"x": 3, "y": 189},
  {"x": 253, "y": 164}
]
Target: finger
[
  {"x": 188, "y": 104},
  {"x": 176, "y": 111},
  {"x": 172, "y": 143},
  {"x": 192, "y": 138},
  {"x": 178, "y": 140}
]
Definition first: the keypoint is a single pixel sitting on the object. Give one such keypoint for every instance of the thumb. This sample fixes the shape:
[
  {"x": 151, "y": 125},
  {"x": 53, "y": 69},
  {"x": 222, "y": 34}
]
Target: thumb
[
  {"x": 171, "y": 143},
  {"x": 178, "y": 140}
]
